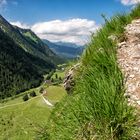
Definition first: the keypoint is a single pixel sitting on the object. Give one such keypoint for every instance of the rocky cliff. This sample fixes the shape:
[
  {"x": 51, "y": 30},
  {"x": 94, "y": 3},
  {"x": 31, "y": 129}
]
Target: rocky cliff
[
  {"x": 129, "y": 61},
  {"x": 69, "y": 78}
]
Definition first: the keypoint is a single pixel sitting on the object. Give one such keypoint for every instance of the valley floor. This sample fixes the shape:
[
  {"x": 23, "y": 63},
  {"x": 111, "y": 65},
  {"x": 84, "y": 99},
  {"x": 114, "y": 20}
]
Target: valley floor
[{"x": 21, "y": 120}]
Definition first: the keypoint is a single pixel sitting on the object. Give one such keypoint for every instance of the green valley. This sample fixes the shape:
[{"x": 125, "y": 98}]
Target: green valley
[
  {"x": 69, "y": 79},
  {"x": 22, "y": 120}
]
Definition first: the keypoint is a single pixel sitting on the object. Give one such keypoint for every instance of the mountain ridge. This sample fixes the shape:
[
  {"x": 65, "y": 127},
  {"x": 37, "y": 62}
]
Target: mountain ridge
[
  {"x": 68, "y": 50},
  {"x": 38, "y": 48}
]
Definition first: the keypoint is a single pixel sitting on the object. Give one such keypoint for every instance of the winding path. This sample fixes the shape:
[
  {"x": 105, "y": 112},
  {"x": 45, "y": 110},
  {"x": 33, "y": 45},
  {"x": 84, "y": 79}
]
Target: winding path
[
  {"x": 10, "y": 105},
  {"x": 46, "y": 101}
]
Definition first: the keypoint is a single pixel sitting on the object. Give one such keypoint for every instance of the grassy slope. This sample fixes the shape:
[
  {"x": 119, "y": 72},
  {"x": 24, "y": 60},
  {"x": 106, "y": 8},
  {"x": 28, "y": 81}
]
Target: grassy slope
[
  {"x": 55, "y": 93},
  {"x": 59, "y": 74},
  {"x": 28, "y": 34},
  {"x": 97, "y": 109},
  {"x": 23, "y": 120},
  {"x": 20, "y": 122}
]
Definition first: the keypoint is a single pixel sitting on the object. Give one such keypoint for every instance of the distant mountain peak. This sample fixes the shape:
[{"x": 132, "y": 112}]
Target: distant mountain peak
[{"x": 65, "y": 49}]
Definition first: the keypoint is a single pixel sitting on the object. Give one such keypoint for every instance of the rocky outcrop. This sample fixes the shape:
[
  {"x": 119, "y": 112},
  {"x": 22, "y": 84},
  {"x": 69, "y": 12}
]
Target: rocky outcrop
[
  {"x": 69, "y": 78},
  {"x": 129, "y": 61}
]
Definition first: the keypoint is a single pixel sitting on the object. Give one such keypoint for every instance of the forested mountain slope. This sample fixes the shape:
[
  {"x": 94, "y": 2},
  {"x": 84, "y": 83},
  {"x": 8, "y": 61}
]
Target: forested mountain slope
[
  {"x": 18, "y": 69},
  {"x": 24, "y": 58},
  {"x": 28, "y": 41}
]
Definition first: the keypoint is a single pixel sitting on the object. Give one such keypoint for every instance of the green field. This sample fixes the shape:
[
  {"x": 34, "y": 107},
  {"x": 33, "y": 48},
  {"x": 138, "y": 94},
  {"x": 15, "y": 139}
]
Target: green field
[
  {"x": 20, "y": 120},
  {"x": 59, "y": 74},
  {"x": 55, "y": 93}
]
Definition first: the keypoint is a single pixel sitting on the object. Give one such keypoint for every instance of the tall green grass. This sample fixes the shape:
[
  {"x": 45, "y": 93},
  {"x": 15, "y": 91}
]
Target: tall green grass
[{"x": 97, "y": 110}]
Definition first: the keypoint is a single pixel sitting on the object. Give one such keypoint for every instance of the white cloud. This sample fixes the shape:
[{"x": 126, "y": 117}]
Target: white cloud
[
  {"x": 72, "y": 30},
  {"x": 130, "y": 2},
  {"x": 21, "y": 25}
]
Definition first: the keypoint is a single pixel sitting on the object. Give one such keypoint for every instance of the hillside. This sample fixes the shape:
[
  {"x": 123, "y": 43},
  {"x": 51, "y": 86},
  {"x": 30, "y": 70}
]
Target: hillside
[
  {"x": 99, "y": 106},
  {"x": 67, "y": 50},
  {"x": 28, "y": 41},
  {"x": 21, "y": 120},
  {"x": 36, "y": 42},
  {"x": 24, "y": 58},
  {"x": 18, "y": 70}
]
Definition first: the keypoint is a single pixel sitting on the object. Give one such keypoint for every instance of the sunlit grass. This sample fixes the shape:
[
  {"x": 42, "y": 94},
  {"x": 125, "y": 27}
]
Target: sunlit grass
[
  {"x": 59, "y": 74},
  {"x": 97, "y": 109},
  {"x": 55, "y": 93},
  {"x": 21, "y": 120}
]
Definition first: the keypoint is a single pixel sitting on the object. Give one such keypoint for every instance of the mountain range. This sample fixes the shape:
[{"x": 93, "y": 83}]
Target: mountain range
[{"x": 65, "y": 49}]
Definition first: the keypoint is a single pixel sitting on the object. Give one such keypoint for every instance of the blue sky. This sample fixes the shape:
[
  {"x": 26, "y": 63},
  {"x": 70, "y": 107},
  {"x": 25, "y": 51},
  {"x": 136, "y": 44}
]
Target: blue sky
[
  {"x": 44, "y": 16},
  {"x": 32, "y": 11}
]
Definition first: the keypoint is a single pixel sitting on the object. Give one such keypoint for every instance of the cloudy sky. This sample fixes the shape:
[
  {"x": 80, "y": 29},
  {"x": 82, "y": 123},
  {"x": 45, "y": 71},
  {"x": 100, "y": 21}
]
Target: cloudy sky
[{"x": 62, "y": 20}]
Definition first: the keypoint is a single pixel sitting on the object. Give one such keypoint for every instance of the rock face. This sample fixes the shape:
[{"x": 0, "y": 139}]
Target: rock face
[
  {"x": 69, "y": 78},
  {"x": 129, "y": 61}
]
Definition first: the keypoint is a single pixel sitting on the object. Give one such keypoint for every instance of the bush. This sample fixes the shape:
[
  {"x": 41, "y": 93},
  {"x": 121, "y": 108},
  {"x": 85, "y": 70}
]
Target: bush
[
  {"x": 52, "y": 80},
  {"x": 32, "y": 94},
  {"x": 56, "y": 76},
  {"x": 60, "y": 78},
  {"x": 25, "y": 97},
  {"x": 50, "y": 75},
  {"x": 41, "y": 90}
]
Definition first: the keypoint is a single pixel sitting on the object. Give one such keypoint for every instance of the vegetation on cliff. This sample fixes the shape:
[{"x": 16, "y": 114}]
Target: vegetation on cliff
[{"x": 97, "y": 109}]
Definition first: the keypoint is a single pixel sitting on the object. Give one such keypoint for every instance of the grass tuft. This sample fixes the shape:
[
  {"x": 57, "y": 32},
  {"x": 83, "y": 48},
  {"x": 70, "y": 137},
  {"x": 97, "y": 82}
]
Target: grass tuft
[{"x": 97, "y": 110}]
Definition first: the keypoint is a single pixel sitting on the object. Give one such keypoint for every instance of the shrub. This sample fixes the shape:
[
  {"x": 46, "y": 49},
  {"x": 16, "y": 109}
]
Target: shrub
[
  {"x": 41, "y": 90},
  {"x": 50, "y": 75},
  {"x": 56, "y": 76},
  {"x": 52, "y": 80},
  {"x": 60, "y": 78},
  {"x": 32, "y": 94},
  {"x": 25, "y": 97}
]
